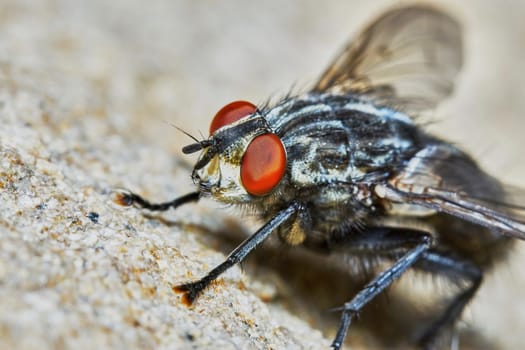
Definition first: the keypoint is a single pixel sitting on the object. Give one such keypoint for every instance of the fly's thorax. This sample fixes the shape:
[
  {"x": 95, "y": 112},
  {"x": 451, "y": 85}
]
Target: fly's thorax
[{"x": 332, "y": 138}]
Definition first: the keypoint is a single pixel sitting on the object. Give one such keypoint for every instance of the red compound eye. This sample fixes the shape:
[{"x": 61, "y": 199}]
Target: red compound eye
[
  {"x": 231, "y": 113},
  {"x": 263, "y": 164}
]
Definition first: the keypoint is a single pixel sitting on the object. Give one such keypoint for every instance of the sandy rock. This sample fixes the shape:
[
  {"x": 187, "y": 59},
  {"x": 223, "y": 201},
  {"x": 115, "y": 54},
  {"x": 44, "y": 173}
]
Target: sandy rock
[{"x": 85, "y": 90}]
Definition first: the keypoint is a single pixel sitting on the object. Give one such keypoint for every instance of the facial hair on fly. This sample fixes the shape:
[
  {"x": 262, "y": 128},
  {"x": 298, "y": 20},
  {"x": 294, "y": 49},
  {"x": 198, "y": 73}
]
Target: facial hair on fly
[{"x": 343, "y": 168}]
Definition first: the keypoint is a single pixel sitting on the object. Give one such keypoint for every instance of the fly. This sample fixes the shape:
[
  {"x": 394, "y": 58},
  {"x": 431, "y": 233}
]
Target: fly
[{"x": 344, "y": 168}]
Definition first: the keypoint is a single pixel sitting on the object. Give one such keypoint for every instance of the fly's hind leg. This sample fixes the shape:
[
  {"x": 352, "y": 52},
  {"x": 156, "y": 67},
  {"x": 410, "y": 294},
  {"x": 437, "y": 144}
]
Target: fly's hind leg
[
  {"x": 405, "y": 246},
  {"x": 408, "y": 248},
  {"x": 457, "y": 270}
]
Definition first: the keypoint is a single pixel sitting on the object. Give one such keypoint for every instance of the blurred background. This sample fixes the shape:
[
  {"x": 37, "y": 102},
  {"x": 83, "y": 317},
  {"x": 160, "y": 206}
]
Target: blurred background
[{"x": 161, "y": 61}]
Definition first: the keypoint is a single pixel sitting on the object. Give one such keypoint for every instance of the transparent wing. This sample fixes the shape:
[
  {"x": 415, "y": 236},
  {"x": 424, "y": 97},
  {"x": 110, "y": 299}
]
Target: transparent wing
[
  {"x": 408, "y": 58},
  {"x": 444, "y": 179}
]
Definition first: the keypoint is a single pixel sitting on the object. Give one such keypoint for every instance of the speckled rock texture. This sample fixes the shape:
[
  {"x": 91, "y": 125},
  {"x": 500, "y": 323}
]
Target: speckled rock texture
[{"x": 88, "y": 90}]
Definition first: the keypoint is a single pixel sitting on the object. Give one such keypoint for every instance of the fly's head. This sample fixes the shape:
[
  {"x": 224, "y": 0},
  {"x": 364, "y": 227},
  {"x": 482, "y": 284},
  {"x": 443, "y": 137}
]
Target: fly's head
[{"x": 242, "y": 159}]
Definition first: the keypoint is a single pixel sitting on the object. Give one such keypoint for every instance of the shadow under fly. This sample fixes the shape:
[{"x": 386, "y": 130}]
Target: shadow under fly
[{"x": 344, "y": 169}]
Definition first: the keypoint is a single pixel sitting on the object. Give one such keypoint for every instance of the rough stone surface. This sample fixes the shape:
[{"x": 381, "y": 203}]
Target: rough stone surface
[{"x": 86, "y": 91}]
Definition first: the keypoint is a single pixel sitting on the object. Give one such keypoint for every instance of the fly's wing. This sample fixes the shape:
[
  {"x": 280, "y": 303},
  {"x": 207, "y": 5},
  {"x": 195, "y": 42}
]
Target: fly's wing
[
  {"x": 442, "y": 178},
  {"x": 407, "y": 58}
]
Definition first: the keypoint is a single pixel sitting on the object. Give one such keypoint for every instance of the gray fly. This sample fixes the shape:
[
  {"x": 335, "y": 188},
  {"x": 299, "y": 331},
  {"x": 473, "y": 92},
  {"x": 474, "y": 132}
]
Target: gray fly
[{"x": 344, "y": 168}]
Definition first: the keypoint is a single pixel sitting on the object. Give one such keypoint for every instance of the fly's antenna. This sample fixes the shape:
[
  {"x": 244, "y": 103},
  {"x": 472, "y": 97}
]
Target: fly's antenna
[{"x": 197, "y": 146}]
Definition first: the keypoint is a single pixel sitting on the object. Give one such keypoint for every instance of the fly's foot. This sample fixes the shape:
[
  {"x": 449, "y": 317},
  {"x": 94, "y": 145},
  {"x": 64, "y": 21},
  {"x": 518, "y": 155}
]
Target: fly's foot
[
  {"x": 190, "y": 291},
  {"x": 123, "y": 197}
]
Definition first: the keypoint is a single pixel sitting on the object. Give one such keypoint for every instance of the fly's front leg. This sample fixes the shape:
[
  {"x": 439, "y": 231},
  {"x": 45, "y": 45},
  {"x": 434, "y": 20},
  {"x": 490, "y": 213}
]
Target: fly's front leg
[
  {"x": 127, "y": 198},
  {"x": 192, "y": 290},
  {"x": 381, "y": 241}
]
